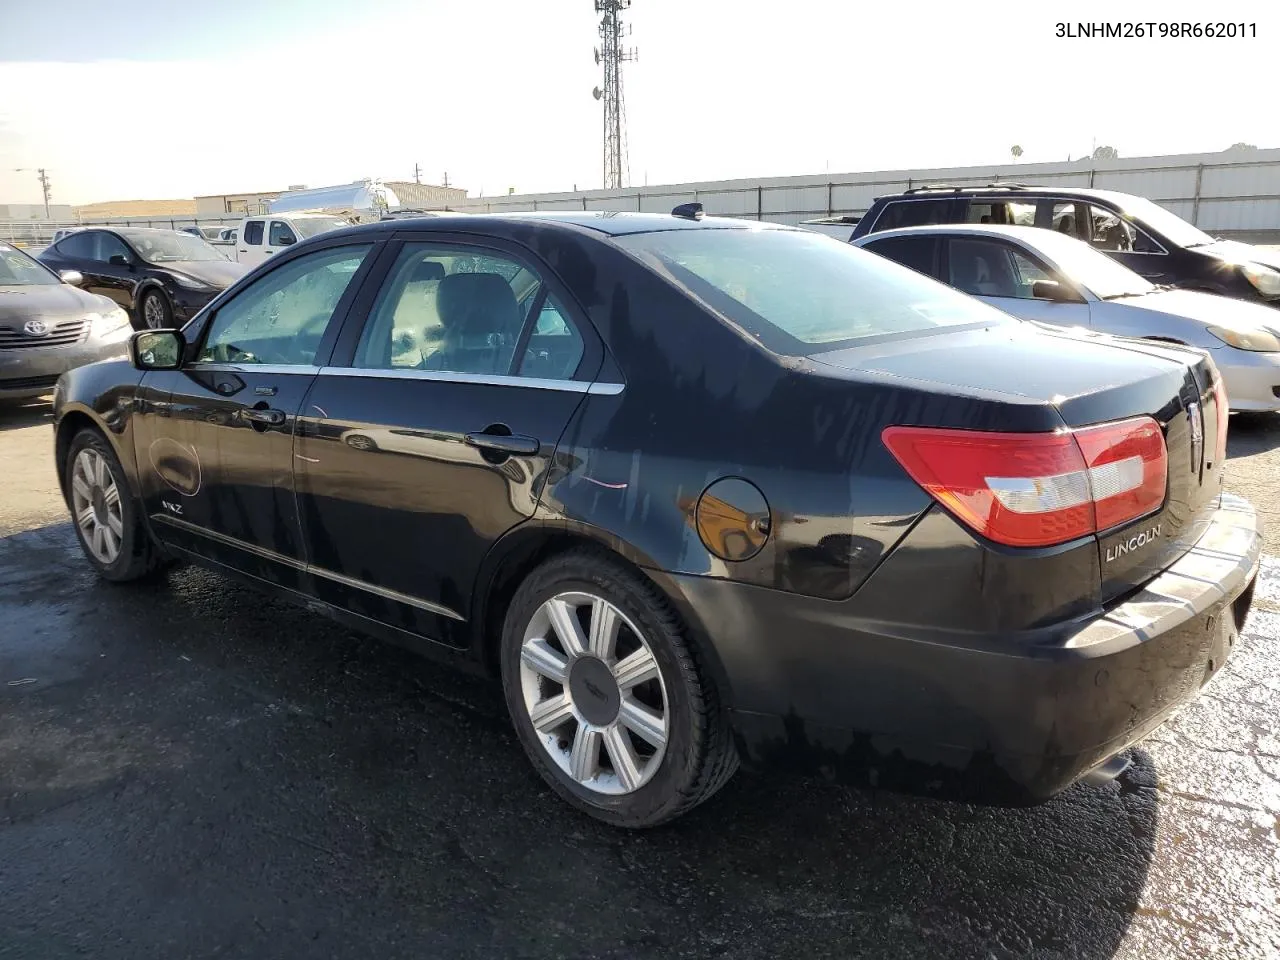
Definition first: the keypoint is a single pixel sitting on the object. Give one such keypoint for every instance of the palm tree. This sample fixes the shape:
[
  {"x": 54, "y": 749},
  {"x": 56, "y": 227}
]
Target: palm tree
[{"x": 1016, "y": 151}]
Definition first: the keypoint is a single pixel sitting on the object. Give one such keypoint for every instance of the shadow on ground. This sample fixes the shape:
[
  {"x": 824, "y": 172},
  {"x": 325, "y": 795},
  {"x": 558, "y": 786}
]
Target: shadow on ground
[
  {"x": 189, "y": 764},
  {"x": 1250, "y": 433},
  {"x": 15, "y": 414}
]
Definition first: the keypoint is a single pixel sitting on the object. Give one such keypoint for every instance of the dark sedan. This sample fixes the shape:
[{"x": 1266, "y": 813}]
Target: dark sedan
[
  {"x": 162, "y": 277},
  {"x": 698, "y": 491}
]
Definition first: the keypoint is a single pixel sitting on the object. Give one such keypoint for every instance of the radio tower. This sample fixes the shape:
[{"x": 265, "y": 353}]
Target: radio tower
[{"x": 611, "y": 55}]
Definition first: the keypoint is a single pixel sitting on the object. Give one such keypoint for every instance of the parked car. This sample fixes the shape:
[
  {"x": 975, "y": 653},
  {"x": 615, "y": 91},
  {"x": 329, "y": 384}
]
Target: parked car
[
  {"x": 204, "y": 233},
  {"x": 1142, "y": 235},
  {"x": 839, "y": 227},
  {"x": 161, "y": 276},
  {"x": 48, "y": 326},
  {"x": 696, "y": 490},
  {"x": 261, "y": 237},
  {"x": 1053, "y": 278}
]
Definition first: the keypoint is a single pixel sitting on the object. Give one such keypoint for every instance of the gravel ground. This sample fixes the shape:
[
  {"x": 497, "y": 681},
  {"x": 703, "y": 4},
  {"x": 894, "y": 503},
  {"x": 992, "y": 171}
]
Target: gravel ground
[{"x": 188, "y": 769}]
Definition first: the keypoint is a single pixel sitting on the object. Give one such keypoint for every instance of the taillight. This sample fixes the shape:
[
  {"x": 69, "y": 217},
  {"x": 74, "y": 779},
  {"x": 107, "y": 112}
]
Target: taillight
[
  {"x": 1224, "y": 412},
  {"x": 1038, "y": 489}
]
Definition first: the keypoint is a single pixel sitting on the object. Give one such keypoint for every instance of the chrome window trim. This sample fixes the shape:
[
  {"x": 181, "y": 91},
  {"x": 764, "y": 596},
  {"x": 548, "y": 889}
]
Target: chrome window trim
[
  {"x": 264, "y": 553},
  {"x": 486, "y": 379},
  {"x": 216, "y": 367}
]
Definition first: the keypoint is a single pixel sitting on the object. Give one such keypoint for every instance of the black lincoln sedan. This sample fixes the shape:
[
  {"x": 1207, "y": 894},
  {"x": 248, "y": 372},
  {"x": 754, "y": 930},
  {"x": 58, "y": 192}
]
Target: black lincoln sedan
[
  {"x": 699, "y": 492},
  {"x": 162, "y": 277}
]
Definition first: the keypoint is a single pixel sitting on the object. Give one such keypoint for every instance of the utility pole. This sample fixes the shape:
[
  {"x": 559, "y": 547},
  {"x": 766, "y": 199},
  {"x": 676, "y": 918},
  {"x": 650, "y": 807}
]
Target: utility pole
[
  {"x": 417, "y": 173},
  {"x": 43, "y": 176},
  {"x": 611, "y": 56},
  {"x": 446, "y": 179}
]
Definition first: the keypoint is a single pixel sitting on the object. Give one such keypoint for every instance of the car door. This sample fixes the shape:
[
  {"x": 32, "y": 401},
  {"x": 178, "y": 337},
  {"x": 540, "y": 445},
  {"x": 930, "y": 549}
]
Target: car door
[
  {"x": 1121, "y": 239},
  {"x": 430, "y": 437},
  {"x": 215, "y": 443},
  {"x": 253, "y": 235},
  {"x": 1006, "y": 275},
  {"x": 279, "y": 236},
  {"x": 118, "y": 269},
  {"x": 79, "y": 251}
]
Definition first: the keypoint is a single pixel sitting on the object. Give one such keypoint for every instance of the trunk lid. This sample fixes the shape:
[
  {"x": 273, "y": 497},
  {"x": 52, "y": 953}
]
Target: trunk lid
[{"x": 1088, "y": 379}]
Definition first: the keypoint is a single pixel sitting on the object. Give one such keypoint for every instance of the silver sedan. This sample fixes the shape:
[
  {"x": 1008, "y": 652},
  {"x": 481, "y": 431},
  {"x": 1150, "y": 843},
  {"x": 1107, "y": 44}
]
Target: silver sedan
[{"x": 1047, "y": 276}]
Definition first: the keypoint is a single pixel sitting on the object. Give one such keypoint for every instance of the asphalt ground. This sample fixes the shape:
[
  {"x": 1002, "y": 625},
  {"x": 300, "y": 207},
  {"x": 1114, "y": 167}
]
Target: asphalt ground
[{"x": 189, "y": 769}]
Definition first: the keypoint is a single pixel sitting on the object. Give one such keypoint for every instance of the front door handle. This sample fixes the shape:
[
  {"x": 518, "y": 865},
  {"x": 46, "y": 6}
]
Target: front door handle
[
  {"x": 504, "y": 444},
  {"x": 268, "y": 417}
]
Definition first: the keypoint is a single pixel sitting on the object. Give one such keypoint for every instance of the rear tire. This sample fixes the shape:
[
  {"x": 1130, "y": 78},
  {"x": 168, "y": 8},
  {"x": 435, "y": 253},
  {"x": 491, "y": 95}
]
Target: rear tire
[
  {"x": 633, "y": 731},
  {"x": 105, "y": 513}
]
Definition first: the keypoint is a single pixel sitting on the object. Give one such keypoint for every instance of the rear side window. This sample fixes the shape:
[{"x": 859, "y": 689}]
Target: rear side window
[
  {"x": 253, "y": 232},
  {"x": 78, "y": 245},
  {"x": 1003, "y": 212},
  {"x": 794, "y": 290},
  {"x": 918, "y": 253},
  {"x": 913, "y": 213}
]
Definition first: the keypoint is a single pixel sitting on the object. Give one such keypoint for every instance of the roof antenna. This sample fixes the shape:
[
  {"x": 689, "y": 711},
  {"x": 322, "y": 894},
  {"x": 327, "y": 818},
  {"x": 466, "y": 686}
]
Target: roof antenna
[{"x": 688, "y": 211}]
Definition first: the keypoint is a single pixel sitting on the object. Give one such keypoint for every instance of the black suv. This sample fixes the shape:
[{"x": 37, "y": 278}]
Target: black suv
[{"x": 1142, "y": 235}]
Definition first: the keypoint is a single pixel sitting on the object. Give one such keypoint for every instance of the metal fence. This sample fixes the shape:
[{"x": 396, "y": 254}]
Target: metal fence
[
  {"x": 37, "y": 233},
  {"x": 1230, "y": 193}
]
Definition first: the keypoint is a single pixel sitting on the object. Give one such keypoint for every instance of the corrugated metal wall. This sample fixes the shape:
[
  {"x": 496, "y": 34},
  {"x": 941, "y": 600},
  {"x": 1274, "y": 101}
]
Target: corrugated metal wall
[{"x": 1233, "y": 192}]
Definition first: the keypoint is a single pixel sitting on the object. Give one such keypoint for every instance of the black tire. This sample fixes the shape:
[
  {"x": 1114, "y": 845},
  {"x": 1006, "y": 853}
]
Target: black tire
[
  {"x": 160, "y": 317},
  {"x": 700, "y": 756},
  {"x": 139, "y": 555}
]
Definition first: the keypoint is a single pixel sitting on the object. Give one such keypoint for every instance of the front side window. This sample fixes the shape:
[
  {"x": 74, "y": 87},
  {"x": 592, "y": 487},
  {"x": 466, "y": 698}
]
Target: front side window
[
  {"x": 1116, "y": 233},
  {"x": 110, "y": 246},
  {"x": 461, "y": 310},
  {"x": 796, "y": 290},
  {"x": 19, "y": 270},
  {"x": 281, "y": 317},
  {"x": 253, "y": 233},
  {"x": 281, "y": 235}
]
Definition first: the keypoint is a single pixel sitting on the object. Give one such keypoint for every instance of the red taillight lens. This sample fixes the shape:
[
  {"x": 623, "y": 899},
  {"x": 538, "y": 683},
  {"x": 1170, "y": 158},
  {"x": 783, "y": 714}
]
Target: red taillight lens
[
  {"x": 1224, "y": 412},
  {"x": 1038, "y": 489}
]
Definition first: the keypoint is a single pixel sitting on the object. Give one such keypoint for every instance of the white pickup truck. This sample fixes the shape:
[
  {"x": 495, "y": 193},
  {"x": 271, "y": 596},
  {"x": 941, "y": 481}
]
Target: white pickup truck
[{"x": 259, "y": 237}]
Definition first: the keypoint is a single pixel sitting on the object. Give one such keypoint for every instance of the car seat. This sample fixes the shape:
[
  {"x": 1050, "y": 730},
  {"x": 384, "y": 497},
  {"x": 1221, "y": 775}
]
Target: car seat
[{"x": 480, "y": 323}]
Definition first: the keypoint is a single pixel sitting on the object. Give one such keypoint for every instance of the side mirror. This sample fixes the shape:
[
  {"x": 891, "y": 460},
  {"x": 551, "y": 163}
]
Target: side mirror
[
  {"x": 286, "y": 240},
  {"x": 119, "y": 260},
  {"x": 1055, "y": 291},
  {"x": 73, "y": 277},
  {"x": 157, "y": 349}
]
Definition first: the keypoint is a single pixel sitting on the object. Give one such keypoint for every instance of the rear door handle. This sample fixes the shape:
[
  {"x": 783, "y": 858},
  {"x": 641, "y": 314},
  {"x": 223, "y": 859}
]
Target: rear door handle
[
  {"x": 270, "y": 417},
  {"x": 502, "y": 443}
]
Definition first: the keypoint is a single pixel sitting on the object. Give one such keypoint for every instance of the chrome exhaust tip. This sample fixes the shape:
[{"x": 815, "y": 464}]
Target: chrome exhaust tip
[{"x": 1108, "y": 770}]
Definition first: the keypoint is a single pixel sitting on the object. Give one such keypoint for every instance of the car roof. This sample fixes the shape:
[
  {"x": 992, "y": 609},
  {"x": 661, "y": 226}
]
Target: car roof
[
  {"x": 1026, "y": 234},
  {"x": 606, "y": 222},
  {"x": 1011, "y": 190}
]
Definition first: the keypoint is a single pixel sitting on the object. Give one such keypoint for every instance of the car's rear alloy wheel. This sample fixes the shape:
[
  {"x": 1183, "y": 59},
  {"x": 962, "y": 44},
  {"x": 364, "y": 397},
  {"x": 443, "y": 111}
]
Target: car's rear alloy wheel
[
  {"x": 593, "y": 693},
  {"x": 95, "y": 504},
  {"x": 610, "y": 695}
]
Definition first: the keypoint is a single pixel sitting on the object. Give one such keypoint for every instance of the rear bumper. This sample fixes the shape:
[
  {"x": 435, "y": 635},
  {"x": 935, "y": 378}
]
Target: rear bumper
[{"x": 1007, "y": 719}]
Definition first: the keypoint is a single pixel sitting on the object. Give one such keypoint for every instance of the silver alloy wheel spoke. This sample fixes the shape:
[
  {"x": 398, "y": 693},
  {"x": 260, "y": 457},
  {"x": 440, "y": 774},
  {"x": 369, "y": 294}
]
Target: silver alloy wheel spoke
[
  {"x": 625, "y": 762},
  {"x": 552, "y": 712},
  {"x": 584, "y": 763},
  {"x": 565, "y": 624},
  {"x": 538, "y": 655},
  {"x": 87, "y": 519},
  {"x": 604, "y": 629},
  {"x": 80, "y": 485},
  {"x": 96, "y": 506},
  {"x": 643, "y": 722},
  {"x": 635, "y": 669}
]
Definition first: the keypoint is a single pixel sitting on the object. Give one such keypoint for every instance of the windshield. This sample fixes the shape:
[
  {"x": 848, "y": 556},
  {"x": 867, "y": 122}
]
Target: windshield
[
  {"x": 1175, "y": 229},
  {"x": 310, "y": 226},
  {"x": 165, "y": 246},
  {"x": 19, "y": 270},
  {"x": 1084, "y": 266},
  {"x": 792, "y": 288}
]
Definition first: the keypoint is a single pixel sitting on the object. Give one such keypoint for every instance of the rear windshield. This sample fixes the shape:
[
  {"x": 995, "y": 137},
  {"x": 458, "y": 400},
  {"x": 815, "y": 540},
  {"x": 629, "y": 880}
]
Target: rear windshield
[{"x": 795, "y": 290}]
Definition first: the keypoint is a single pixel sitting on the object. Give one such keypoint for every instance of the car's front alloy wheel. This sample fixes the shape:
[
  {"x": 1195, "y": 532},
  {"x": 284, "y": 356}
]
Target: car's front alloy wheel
[
  {"x": 609, "y": 694},
  {"x": 155, "y": 311},
  {"x": 95, "y": 504}
]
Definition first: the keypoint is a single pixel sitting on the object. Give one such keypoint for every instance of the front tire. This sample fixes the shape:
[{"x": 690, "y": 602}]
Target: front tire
[
  {"x": 155, "y": 310},
  {"x": 608, "y": 696},
  {"x": 104, "y": 512}
]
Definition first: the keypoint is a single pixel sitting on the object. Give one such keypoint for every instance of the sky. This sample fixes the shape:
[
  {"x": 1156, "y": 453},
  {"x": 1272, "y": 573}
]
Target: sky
[{"x": 141, "y": 99}]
